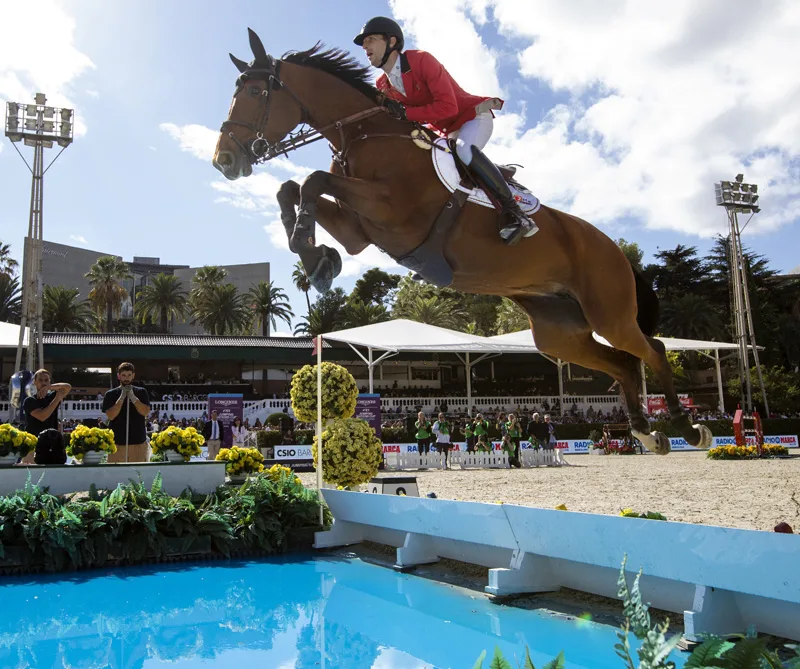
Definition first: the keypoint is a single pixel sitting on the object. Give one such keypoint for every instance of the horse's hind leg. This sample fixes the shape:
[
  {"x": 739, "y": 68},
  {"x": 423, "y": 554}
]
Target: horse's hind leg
[{"x": 560, "y": 330}]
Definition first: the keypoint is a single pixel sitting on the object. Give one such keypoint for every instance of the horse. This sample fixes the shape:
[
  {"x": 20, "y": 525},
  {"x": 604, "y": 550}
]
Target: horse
[{"x": 570, "y": 278}]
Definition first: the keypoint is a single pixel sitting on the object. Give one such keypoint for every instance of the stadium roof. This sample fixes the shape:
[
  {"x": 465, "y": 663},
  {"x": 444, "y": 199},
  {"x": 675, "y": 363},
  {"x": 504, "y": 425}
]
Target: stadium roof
[{"x": 95, "y": 339}]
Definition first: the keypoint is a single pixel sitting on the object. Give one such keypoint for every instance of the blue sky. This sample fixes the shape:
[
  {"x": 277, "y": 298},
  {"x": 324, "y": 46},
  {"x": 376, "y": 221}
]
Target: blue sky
[{"x": 625, "y": 117}]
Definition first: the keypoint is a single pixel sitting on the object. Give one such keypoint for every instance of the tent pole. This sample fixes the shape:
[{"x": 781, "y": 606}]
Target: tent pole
[
  {"x": 644, "y": 388},
  {"x": 468, "y": 366},
  {"x": 719, "y": 381},
  {"x": 560, "y": 387},
  {"x": 369, "y": 368}
]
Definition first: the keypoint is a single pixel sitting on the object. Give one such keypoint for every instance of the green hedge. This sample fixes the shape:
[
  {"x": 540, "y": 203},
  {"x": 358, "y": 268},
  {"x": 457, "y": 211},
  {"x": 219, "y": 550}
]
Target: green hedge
[
  {"x": 719, "y": 428},
  {"x": 269, "y": 438},
  {"x": 133, "y": 524}
]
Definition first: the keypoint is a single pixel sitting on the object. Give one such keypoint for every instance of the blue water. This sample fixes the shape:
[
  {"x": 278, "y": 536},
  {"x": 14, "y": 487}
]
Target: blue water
[{"x": 277, "y": 613}]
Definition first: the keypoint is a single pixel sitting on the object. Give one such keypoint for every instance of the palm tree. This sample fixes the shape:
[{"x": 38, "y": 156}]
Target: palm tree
[
  {"x": 321, "y": 319},
  {"x": 205, "y": 280},
  {"x": 7, "y": 264},
  {"x": 222, "y": 311},
  {"x": 10, "y": 299},
  {"x": 691, "y": 317},
  {"x": 358, "y": 314},
  {"x": 164, "y": 298},
  {"x": 302, "y": 282},
  {"x": 107, "y": 293},
  {"x": 62, "y": 311},
  {"x": 269, "y": 305},
  {"x": 434, "y": 311}
]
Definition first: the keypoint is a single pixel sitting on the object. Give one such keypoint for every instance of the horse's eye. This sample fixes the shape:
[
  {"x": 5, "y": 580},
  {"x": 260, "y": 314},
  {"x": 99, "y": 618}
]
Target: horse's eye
[{"x": 254, "y": 90}]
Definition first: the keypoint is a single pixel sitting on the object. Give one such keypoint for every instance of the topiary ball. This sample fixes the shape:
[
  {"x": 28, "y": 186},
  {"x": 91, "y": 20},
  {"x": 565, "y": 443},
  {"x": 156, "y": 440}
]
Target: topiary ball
[
  {"x": 339, "y": 393},
  {"x": 351, "y": 452}
]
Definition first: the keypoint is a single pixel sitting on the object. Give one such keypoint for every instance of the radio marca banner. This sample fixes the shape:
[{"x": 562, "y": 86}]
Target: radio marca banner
[{"x": 227, "y": 407}]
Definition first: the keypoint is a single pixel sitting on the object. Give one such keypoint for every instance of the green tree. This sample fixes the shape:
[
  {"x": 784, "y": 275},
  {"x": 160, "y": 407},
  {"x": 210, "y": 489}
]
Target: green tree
[
  {"x": 204, "y": 281},
  {"x": 782, "y": 388},
  {"x": 269, "y": 304},
  {"x": 162, "y": 299},
  {"x": 691, "y": 317},
  {"x": 412, "y": 295},
  {"x": 357, "y": 313},
  {"x": 434, "y": 311},
  {"x": 302, "y": 282},
  {"x": 679, "y": 271},
  {"x": 107, "y": 293},
  {"x": 511, "y": 317},
  {"x": 375, "y": 287},
  {"x": 63, "y": 311},
  {"x": 10, "y": 299},
  {"x": 632, "y": 252},
  {"x": 223, "y": 311},
  {"x": 326, "y": 314},
  {"x": 8, "y": 265}
]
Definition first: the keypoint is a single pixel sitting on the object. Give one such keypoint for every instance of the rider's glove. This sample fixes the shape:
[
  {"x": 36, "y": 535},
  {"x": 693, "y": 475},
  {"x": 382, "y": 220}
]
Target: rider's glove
[{"x": 395, "y": 109}]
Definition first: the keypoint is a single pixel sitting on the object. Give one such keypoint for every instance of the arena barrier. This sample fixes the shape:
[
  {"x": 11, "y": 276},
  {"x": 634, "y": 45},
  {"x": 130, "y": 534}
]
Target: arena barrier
[{"x": 713, "y": 576}]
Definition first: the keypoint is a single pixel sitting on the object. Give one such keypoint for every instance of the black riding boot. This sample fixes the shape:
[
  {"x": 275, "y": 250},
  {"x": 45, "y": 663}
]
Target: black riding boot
[
  {"x": 515, "y": 225},
  {"x": 321, "y": 263}
]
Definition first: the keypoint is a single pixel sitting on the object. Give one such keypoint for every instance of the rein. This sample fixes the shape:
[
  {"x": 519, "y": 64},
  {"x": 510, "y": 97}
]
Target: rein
[{"x": 261, "y": 151}]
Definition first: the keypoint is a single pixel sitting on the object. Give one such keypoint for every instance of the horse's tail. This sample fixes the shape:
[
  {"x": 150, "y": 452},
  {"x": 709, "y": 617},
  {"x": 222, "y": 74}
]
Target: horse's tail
[{"x": 647, "y": 301}]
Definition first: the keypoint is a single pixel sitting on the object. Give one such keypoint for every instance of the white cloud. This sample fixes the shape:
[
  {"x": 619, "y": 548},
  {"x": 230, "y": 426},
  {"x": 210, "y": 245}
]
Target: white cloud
[
  {"x": 78, "y": 238},
  {"x": 663, "y": 100},
  {"x": 93, "y": 94},
  {"x": 151, "y": 147},
  {"x": 39, "y": 55},
  {"x": 193, "y": 138}
]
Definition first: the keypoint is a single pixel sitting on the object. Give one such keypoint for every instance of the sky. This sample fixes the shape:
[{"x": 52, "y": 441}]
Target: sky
[{"x": 622, "y": 112}]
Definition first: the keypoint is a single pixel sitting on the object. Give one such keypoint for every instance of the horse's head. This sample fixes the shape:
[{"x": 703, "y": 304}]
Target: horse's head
[{"x": 262, "y": 113}]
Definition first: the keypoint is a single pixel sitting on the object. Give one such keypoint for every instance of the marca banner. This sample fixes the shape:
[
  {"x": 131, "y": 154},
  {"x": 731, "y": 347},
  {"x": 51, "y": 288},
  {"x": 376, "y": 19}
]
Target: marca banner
[
  {"x": 585, "y": 445},
  {"x": 227, "y": 407},
  {"x": 368, "y": 408}
]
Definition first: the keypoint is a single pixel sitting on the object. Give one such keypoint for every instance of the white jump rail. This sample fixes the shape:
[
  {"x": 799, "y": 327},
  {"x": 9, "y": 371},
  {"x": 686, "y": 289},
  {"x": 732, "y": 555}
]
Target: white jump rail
[
  {"x": 476, "y": 460},
  {"x": 721, "y": 580}
]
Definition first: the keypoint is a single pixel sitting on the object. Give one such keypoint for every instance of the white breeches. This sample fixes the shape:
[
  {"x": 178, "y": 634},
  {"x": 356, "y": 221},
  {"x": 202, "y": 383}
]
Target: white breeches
[{"x": 476, "y": 132}]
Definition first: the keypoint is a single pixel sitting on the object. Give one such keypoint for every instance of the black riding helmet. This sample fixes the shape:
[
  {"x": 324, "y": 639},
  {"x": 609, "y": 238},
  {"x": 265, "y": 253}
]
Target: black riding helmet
[{"x": 380, "y": 25}]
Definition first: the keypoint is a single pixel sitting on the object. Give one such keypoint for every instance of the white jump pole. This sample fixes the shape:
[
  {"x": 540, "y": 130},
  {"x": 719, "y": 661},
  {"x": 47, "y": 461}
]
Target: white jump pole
[{"x": 319, "y": 428}]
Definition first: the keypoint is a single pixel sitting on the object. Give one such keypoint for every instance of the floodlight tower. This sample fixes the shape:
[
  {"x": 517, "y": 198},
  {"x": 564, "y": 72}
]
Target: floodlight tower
[
  {"x": 737, "y": 198},
  {"x": 37, "y": 126}
]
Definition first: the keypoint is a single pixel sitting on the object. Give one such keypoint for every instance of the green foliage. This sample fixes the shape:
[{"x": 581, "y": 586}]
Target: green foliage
[
  {"x": 62, "y": 311},
  {"x": 10, "y": 298},
  {"x": 325, "y": 315},
  {"x": 134, "y": 524},
  {"x": 358, "y": 313},
  {"x": 375, "y": 287},
  {"x": 632, "y": 252},
  {"x": 511, "y": 317},
  {"x": 163, "y": 298},
  {"x": 269, "y": 304},
  {"x": 8, "y": 265},
  {"x": 221, "y": 310},
  {"x": 107, "y": 294},
  {"x": 782, "y": 388}
]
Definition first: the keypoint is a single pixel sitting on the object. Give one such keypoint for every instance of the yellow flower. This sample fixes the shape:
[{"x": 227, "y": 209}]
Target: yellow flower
[{"x": 561, "y": 507}]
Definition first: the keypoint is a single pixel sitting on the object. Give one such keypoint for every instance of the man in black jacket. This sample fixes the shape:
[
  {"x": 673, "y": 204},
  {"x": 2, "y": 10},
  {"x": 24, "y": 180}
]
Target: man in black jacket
[
  {"x": 214, "y": 432},
  {"x": 538, "y": 432}
]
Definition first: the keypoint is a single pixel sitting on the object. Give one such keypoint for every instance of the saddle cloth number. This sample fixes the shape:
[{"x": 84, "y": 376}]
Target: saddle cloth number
[{"x": 445, "y": 166}]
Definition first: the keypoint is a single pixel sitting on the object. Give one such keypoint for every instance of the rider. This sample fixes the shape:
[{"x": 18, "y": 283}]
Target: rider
[{"x": 418, "y": 88}]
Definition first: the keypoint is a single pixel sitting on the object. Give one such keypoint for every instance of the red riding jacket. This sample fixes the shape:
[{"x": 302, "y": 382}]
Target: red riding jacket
[{"x": 432, "y": 95}]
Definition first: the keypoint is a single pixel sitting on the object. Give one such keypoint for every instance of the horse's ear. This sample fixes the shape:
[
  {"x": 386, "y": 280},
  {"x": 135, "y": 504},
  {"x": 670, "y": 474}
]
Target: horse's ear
[
  {"x": 257, "y": 47},
  {"x": 240, "y": 64}
]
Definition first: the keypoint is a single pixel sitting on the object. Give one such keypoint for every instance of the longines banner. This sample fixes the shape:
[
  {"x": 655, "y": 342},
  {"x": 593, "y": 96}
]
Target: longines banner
[
  {"x": 368, "y": 408},
  {"x": 227, "y": 407}
]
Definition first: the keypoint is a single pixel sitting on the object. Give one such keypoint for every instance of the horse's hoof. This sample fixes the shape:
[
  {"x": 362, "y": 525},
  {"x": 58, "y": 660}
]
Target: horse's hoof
[
  {"x": 705, "y": 437},
  {"x": 322, "y": 276},
  {"x": 662, "y": 445},
  {"x": 335, "y": 258}
]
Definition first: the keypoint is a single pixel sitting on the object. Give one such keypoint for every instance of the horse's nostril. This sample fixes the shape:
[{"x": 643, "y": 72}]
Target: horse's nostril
[{"x": 225, "y": 159}]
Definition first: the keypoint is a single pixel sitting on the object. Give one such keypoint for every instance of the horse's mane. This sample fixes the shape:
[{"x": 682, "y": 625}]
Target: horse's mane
[{"x": 337, "y": 62}]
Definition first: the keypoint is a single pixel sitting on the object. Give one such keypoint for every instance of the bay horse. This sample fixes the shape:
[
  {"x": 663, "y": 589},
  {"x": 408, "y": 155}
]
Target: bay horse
[{"x": 570, "y": 278}]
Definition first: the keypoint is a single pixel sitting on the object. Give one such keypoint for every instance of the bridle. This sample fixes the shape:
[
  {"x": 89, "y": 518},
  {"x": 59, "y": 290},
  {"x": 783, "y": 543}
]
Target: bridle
[{"x": 260, "y": 150}]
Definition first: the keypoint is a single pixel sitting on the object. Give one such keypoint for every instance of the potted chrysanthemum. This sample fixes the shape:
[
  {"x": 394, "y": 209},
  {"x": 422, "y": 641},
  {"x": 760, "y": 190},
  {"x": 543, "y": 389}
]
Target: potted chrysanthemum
[
  {"x": 177, "y": 444},
  {"x": 351, "y": 453},
  {"x": 339, "y": 393},
  {"x": 14, "y": 444},
  {"x": 89, "y": 444},
  {"x": 241, "y": 462}
]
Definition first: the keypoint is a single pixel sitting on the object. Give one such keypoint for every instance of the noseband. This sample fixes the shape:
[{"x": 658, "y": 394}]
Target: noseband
[{"x": 260, "y": 150}]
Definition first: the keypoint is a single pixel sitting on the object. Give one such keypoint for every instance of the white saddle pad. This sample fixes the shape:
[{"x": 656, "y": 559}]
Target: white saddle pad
[{"x": 446, "y": 170}]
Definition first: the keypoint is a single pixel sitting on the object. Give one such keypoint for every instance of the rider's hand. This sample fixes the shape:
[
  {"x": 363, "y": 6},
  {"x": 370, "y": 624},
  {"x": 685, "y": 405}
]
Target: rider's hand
[{"x": 395, "y": 109}]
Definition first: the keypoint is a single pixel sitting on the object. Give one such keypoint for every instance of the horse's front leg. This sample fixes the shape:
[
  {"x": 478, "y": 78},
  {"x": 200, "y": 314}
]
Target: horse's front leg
[
  {"x": 288, "y": 198},
  {"x": 323, "y": 264}
]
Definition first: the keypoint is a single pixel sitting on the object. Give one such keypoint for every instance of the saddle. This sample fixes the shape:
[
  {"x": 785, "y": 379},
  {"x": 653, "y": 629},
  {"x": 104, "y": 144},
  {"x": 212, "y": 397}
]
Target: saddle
[{"x": 428, "y": 260}]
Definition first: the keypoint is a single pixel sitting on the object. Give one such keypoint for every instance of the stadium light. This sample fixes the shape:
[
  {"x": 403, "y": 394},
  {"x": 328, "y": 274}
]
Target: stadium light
[
  {"x": 737, "y": 198},
  {"x": 38, "y": 126}
]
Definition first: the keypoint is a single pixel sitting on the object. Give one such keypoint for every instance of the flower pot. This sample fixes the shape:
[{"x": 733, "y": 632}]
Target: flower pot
[
  {"x": 92, "y": 457},
  {"x": 8, "y": 460},
  {"x": 237, "y": 479},
  {"x": 174, "y": 456}
]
